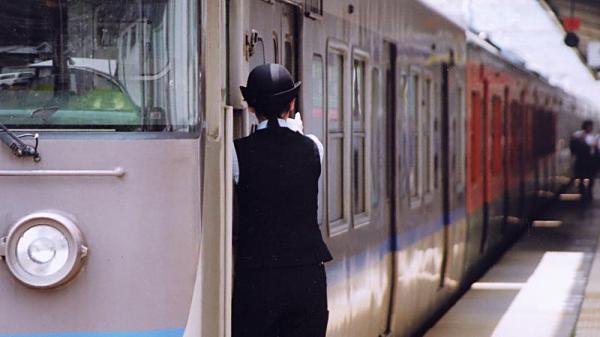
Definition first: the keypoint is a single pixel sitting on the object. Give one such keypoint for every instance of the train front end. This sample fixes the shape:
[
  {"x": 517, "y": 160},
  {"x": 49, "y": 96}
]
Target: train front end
[{"x": 101, "y": 167}]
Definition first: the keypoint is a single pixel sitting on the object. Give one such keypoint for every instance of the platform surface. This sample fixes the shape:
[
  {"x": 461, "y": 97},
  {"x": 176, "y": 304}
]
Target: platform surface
[{"x": 537, "y": 288}]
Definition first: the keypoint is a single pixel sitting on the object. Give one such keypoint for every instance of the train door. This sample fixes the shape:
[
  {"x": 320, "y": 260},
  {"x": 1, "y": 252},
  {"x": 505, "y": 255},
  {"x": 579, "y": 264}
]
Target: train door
[
  {"x": 289, "y": 41},
  {"x": 272, "y": 37},
  {"x": 446, "y": 154},
  {"x": 273, "y": 34},
  {"x": 485, "y": 160},
  {"x": 392, "y": 166}
]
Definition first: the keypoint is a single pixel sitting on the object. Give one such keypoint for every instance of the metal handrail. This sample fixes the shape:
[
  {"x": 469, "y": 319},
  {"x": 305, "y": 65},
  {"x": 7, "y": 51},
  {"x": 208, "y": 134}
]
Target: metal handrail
[{"x": 116, "y": 172}]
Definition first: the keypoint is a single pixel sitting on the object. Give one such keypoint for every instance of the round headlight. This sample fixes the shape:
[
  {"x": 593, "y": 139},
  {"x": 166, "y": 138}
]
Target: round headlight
[{"x": 44, "y": 250}]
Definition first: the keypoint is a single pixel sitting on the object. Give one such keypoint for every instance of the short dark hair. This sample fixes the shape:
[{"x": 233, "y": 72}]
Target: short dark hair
[
  {"x": 587, "y": 124},
  {"x": 272, "y": 108}
]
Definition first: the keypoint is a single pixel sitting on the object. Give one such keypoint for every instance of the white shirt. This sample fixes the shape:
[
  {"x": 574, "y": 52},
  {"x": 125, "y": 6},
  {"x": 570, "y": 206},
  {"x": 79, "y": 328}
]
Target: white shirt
[
  {"x": 284, "y": 123},
  {"x": 590, "y": 139}
]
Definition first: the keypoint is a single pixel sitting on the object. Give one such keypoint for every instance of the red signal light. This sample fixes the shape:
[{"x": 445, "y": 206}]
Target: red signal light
[{"x": 571, "y": 23}]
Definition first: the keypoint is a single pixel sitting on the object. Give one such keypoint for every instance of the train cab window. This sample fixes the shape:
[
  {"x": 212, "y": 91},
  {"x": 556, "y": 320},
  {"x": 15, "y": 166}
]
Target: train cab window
[
  {"x": 318, "y": 101},
  {"x": 359, "y": 140},
  {"x": 117, "y": 66},
  {"x": 415, "y": 135},
  {"x": 335, "y": 141}
]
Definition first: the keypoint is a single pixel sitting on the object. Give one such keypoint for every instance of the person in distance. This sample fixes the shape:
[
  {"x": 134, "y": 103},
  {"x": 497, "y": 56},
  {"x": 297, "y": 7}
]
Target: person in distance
[{"x": 583, "y": 146}]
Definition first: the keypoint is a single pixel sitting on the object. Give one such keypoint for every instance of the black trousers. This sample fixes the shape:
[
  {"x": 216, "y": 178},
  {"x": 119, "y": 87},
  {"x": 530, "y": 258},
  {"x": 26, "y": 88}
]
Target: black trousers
[
  {"x": 585, "y": 170},
  {"x": 280, "y": 302}
]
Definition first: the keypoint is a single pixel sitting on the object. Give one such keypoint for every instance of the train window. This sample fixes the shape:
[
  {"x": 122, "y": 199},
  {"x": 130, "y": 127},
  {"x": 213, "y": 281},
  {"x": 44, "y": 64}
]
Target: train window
[
  {"x": 376, "y": 117},
  {"x": 133, "y": 36},
  {"x": 459, "y": 132},
  {"x": 289, "y": 57},
  {"x": 335, "y": 140},
  {"x": 474, "y": 129},
  {"x": 359, "y": 188},
  {"x": 313, "y": 7},
  {"x": 110, "y": 65},
  {"x": 275, "y": 50},
  {"x": 515, "y": 138},
  {"x": 318, "y": 90},
  {"x": 496, "y": 135},
  {"x": 358, "y": 95},
  {"x": 259, "y": 54},
  {"x": 335, "y": 92},
  {"x": 427, "y": 134},
  {"x": 414, "y": 116}
]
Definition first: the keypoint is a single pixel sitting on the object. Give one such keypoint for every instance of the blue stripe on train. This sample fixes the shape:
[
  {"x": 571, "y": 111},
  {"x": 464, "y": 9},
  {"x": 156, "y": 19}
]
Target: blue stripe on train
[
  {"x": 151, "y": 333},
  {"x": 405, "y": 239}
]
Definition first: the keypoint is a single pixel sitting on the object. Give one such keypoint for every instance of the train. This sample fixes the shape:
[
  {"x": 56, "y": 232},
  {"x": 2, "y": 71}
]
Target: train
[{"x": 117, "y": 210}]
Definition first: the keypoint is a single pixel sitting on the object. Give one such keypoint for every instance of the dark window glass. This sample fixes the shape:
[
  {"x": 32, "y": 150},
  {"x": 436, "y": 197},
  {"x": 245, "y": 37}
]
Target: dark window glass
[
  {"x": 358, "y": 174},
  {"x": 359, "y": 181},
  {"x": 335, "y": 186}
]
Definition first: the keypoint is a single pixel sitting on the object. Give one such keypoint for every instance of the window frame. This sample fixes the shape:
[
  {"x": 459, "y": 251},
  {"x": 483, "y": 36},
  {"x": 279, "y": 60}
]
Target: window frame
[
  {"x": 342, "y": 225},
  {"x": 363, "y": 218}
]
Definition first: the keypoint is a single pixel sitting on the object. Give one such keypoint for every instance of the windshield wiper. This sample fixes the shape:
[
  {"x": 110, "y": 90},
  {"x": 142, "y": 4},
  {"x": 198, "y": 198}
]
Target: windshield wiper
[
  {"x": 18, "y": 147},
  {"x": 44, "y": 112}
]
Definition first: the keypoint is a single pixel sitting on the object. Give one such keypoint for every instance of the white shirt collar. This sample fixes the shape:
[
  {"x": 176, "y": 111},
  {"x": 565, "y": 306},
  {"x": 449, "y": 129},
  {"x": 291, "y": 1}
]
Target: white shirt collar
[{"x": 282, "y": 123}]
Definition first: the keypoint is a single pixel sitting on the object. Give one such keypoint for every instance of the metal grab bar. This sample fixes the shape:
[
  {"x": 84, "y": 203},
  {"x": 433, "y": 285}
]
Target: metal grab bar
[{"x": 117, "y": 172}]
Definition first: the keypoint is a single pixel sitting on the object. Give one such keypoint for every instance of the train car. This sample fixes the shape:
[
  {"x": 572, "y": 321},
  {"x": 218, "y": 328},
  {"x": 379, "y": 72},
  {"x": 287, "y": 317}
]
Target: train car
[
  {"x": 117, "y": 214},
  {"x": 376, "y": 80},
  {"x": 103, "y": 203}
]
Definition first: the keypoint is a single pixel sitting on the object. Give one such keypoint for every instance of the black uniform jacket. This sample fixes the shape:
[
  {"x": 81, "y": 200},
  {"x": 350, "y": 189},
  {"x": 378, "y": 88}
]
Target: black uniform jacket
[
  {"x": 277, "y": 201},
  {"x": 585, "y": 158}
]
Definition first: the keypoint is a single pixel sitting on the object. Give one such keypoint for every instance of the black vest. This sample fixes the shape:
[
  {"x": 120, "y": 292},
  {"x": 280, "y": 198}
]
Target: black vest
[{"x": 277, "y": 201}]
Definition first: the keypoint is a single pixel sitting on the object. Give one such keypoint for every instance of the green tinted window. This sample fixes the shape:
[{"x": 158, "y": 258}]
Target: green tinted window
[{"x": 108, "y": 64}]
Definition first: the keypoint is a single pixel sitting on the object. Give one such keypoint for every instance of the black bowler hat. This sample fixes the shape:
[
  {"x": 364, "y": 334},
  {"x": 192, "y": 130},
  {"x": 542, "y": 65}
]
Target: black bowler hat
[{"x": 270, "y": 82}]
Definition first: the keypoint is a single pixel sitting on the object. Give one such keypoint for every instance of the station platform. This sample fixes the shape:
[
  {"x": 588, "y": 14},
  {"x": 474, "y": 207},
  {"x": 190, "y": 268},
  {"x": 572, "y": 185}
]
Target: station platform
[{"x": 546, "y": 285}]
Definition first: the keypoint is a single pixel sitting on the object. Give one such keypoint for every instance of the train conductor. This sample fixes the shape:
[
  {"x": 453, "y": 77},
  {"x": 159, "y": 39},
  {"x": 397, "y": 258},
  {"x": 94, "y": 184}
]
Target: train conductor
[{"x": 280, "y": 287}]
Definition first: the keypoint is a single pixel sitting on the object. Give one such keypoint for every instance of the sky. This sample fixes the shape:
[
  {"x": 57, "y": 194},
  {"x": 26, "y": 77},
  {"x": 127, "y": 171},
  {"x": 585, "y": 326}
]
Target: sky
[{"x": 528, "y": 30}]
